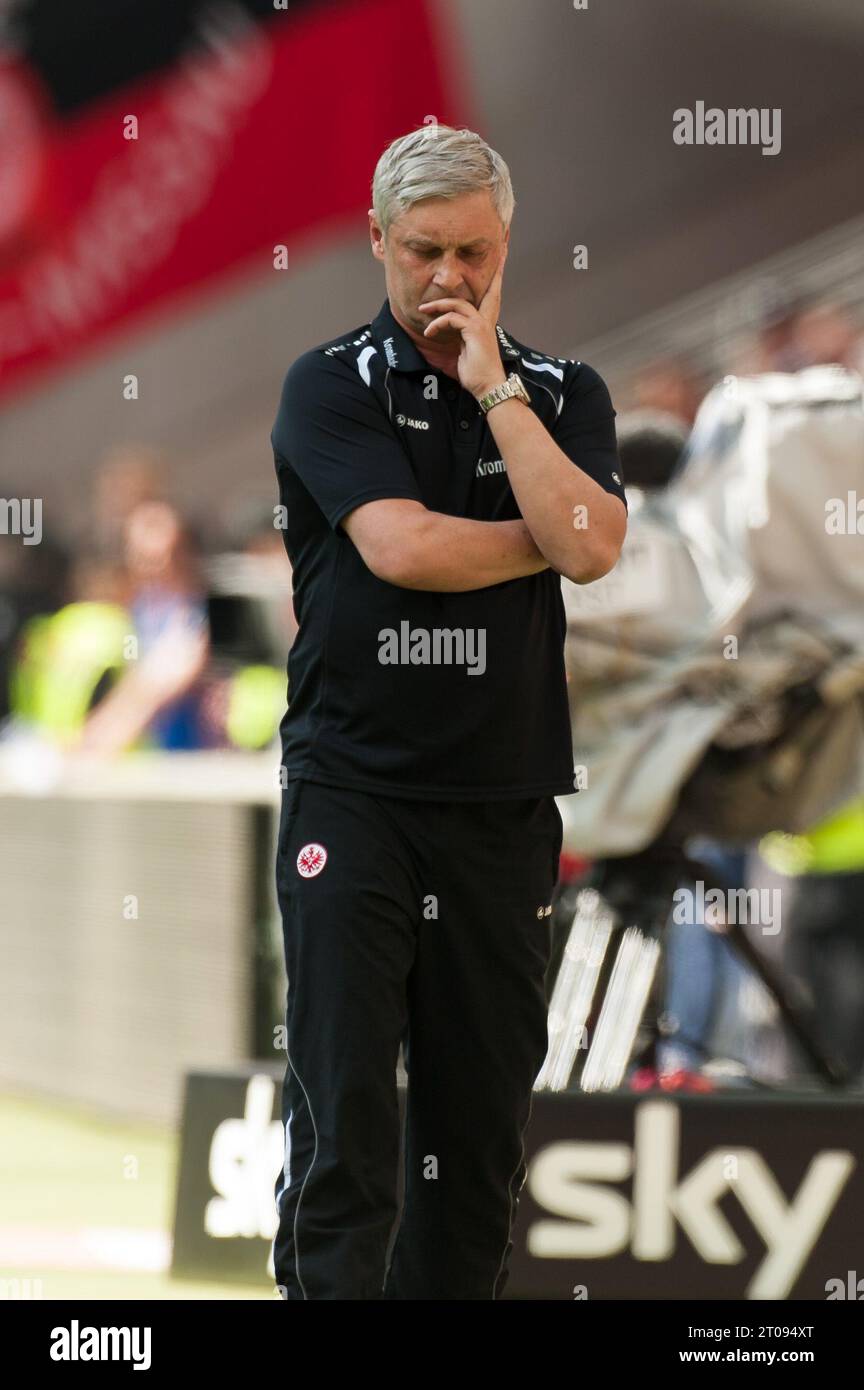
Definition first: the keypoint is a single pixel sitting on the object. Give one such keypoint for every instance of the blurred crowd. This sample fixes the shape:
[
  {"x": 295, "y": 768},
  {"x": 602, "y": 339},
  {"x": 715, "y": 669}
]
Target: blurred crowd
[
  {"x": 132, "y": 635},
  {"x": 791, "y": 336}
]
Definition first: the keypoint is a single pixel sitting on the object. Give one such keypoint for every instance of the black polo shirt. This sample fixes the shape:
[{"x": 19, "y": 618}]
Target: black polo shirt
[{"x": 440, "y": 696}]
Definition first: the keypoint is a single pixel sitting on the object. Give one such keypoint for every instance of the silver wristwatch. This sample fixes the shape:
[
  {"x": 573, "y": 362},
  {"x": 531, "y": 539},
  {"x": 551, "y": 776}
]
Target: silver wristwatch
[{"x": 513, "y": 386}]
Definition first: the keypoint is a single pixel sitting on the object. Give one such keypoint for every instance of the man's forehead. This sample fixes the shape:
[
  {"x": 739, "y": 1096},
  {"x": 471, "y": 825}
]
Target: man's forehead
[{"x": 468, "y": 218}]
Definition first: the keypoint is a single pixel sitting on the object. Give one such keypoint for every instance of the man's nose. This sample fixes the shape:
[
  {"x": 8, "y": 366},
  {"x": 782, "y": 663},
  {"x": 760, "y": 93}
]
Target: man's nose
[{"x": 448, "y": 275}]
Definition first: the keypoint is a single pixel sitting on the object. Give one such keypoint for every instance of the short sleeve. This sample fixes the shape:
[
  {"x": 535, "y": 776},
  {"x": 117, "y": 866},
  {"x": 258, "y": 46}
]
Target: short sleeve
[
  {"x": 332, "y": 431},
  {"x": 585, "y": 429}
]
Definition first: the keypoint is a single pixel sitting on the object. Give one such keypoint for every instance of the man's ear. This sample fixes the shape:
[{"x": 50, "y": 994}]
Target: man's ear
[{"x": 377, "y": 242}]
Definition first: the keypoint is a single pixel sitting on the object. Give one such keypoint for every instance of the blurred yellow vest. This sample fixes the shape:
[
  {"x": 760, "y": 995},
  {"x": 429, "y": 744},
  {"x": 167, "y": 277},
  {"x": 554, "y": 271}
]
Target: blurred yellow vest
[
  {"x": 62, "y": 659},
  {"x": 834, "y": 846}
]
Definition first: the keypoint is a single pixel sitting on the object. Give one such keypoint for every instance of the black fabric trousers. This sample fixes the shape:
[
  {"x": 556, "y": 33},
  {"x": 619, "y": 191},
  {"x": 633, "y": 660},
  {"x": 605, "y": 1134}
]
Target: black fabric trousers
[{"x": 426, "y": 924}]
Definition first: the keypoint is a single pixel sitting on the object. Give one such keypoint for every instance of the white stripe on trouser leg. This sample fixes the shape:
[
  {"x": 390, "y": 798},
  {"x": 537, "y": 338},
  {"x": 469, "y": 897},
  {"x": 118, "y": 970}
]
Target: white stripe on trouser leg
[
  {"x": 286, "y": 1171},
  {"x": 286, "y": 1166},
  {"x": 284, "y": 1184},
  {"x": 510, "y": 1190}
]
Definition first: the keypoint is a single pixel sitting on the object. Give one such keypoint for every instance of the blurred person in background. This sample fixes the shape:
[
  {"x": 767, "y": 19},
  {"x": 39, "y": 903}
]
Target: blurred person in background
[
  {"x": 669, "y": 386},
  {"x": 796, "y": 334},
  {"x": 824, "y": 936},
  {"x": 130, "y": 661},
  {"x": 651, "y": 443},
  {"x": 776, "y": 348},
  {"x": 66, "y": 660},
  {"x": 34, "y": 581},
  {"x": 773, "y": 346},
  {"x": 826, "y": 333},
  {"x": 128, "y": 475},
  {"x": 252, "y": 625},
  {"x": 704, "y": 978},
  {"x": 162, "y": 693}
]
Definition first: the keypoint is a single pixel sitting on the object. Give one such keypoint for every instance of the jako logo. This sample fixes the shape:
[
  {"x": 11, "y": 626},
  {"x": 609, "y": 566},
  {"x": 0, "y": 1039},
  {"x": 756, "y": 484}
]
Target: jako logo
[
  {"x": 77, "y": 1343},
  {"x": 600, "y": 1222},
  {"x": 414, "y": 424}
]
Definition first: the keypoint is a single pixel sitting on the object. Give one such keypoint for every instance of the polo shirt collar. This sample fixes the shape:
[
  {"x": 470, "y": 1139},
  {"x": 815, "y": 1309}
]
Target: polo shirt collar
[{"x": 402, "y": 355}]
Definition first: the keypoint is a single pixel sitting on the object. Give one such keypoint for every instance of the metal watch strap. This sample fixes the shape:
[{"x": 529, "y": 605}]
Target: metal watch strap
[{"x": 512, "y": 388}]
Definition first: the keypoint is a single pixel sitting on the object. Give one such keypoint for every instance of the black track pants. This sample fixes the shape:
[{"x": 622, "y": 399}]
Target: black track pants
[{"x": 426, "y": 922}]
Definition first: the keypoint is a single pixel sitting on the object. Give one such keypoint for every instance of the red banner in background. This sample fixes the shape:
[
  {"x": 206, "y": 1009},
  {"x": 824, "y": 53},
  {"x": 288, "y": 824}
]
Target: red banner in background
[{"x": 265, "y": 133}]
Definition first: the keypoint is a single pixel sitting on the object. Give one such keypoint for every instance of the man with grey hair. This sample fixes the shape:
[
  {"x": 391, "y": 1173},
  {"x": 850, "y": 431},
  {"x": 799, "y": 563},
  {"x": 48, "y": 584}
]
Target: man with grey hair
[{"x": 437, "y": 478}]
